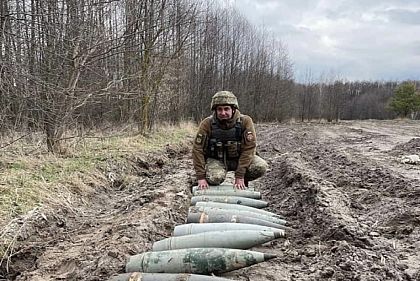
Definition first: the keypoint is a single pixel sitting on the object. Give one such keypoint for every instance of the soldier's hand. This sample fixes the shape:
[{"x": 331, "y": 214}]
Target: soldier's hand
[
  {"x": 202, "y": 184},
  {"x": 239, "y": 183}
]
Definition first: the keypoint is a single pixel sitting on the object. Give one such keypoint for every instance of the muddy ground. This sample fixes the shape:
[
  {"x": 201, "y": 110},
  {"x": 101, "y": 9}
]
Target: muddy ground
[{"x": 354, "y": 207}]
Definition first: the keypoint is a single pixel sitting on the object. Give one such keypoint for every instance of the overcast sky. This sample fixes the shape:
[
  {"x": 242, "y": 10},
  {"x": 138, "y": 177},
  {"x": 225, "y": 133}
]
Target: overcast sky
[{"x": 356, "y": 39}]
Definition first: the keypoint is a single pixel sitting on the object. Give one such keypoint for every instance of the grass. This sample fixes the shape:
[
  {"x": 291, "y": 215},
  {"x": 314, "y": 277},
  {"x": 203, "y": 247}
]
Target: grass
[{"x": 28, "y": 180}]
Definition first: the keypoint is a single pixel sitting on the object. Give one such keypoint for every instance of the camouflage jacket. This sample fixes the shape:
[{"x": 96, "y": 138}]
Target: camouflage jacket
[{"x": 248, "y": 144}]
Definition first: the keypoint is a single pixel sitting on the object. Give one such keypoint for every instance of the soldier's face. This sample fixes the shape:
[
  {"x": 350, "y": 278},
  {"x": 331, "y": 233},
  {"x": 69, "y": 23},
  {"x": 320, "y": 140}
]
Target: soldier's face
[{"x": 224, "y": 112}]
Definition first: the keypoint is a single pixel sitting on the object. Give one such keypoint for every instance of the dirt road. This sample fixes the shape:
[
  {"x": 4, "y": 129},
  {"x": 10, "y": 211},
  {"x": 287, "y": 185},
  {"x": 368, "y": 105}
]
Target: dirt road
[{"x": 354, "y": 206}]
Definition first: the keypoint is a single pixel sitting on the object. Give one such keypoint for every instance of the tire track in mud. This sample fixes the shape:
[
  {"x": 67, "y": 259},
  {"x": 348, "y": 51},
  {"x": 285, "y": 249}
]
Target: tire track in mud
[{"x": 355, "y": 219}]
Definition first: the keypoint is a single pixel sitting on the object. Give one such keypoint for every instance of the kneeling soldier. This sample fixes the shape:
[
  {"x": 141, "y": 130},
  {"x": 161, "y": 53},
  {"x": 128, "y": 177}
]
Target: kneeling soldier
[{"x": 226, "y": 141}]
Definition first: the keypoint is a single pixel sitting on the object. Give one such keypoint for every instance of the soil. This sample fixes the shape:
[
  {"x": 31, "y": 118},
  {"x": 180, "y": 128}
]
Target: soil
[{"x": 354, "y": 208}]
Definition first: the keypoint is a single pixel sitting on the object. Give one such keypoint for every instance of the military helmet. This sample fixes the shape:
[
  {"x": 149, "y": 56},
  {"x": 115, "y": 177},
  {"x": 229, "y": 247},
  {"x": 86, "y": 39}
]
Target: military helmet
[{"x": 224, "y": 98}]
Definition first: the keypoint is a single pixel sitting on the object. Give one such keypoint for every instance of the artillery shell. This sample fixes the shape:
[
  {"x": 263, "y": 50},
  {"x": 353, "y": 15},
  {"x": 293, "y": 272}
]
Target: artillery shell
[
  {"x": 234, "y": 192},
  {"x": 195, "y": 260},
  {"x": 221, "y": 187},
  {"x": 196, "y": 215},
  {"x": 211, "y": 210},
  {"x": 138, "y": 276},
  {"x": 237, "y": 207},
  {"x": 193, "y": 228},
  {"x": 234, "y": 200},
  {"x": 234, "y": 239}
]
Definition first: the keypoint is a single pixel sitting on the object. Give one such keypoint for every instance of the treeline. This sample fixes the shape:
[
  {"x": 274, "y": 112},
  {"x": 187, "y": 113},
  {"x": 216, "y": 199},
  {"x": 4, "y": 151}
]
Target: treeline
[
  {"x": 69, "y": 64},
  {"x": 335, "y": 99}
]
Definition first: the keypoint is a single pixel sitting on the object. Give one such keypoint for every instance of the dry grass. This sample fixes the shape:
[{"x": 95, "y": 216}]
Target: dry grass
[{"x": 30, "y": 177}]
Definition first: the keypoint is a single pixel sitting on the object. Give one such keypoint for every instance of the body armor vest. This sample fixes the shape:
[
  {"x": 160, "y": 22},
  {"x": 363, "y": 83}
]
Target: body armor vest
[{"x": 224, "y": 143}]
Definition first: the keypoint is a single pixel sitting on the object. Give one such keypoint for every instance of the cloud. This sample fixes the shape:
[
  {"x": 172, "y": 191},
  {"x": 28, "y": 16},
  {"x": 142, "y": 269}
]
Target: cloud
[
  {"x": 361, "y": 39},
  {"x": 404, "y": 16}
]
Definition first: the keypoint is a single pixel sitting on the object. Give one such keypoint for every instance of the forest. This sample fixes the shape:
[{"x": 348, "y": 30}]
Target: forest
[{"x": 68, "y": 64}]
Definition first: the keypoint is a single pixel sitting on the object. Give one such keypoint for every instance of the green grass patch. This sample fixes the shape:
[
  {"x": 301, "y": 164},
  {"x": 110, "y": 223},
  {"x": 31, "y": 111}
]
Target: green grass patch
[
  {"x": 17, "y": 166},
  {"x": 18, "y": 193}
]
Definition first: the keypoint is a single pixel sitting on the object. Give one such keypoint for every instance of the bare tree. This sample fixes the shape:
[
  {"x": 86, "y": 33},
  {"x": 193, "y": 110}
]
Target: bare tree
[{"x": 69, "y": 64}]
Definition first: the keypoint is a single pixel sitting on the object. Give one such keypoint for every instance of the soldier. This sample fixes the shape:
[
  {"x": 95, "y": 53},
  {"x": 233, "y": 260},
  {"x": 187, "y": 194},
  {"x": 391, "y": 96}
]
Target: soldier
[{"x": 226, "y": 141}]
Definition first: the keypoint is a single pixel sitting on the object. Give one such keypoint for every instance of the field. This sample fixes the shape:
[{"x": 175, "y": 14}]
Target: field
[{"x": 353, "y": 205}]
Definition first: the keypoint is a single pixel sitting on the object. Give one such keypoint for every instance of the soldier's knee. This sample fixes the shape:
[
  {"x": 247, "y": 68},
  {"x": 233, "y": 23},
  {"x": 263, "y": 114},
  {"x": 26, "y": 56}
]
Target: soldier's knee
[
  {"x": 257, "y": 168},
  {"x": 212, "y": 180},
  {"x": 215, "y": 172},
  {"x": 215, "y": 176}
]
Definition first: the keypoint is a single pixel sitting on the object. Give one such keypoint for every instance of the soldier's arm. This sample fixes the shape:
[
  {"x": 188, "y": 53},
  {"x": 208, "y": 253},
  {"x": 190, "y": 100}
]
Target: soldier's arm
[
  {"x": 199, "y": 147},
  {"x": 249, "y": 144}
]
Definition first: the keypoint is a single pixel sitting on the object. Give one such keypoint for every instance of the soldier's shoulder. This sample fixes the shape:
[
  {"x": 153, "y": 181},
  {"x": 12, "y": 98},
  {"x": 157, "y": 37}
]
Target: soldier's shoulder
[
  {"x": 246, "y": 118},
  {"x": 206, "y": 121}
]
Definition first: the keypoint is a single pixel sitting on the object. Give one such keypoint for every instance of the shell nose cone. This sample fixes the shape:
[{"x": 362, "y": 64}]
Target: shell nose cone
[{"x": 269, "y": 256}]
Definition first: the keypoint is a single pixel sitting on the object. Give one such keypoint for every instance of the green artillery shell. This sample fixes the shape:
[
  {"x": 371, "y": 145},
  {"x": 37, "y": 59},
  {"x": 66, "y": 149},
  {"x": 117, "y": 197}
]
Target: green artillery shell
[
  {"x": 234, "y": 192},
  {"x": 222, "y": 187},
  {"x": 193, "y": 228},
  {"x": 237, "y": 207},
  {"x": 138, "y": 276},
  {"x": 241, "y": 212},
  {"x": 235, "y": 200},
  {"x": 234, "y": 239},
  {"x": 195, "y": 215},
  {"x": 195, "y": 260}
]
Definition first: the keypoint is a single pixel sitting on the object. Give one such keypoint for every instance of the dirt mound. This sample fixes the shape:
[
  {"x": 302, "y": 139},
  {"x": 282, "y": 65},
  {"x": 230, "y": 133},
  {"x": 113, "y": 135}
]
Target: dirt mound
[{"x": 410, "y": 147}]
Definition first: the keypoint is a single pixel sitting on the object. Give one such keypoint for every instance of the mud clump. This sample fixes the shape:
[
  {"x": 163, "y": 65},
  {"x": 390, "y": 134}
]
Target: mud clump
[{"x": 410, "y": 147}]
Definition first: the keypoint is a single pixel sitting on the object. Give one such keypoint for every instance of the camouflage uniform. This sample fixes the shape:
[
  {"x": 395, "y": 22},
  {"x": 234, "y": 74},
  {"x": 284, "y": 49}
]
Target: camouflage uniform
[{"x": 246, "y": 164}]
